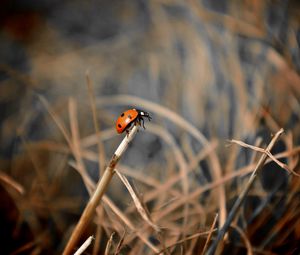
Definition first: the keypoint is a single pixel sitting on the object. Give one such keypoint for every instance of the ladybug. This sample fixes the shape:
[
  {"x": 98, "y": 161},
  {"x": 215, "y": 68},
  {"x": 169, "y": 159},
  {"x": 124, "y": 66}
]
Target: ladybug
[{"x": 130, "y": 117}]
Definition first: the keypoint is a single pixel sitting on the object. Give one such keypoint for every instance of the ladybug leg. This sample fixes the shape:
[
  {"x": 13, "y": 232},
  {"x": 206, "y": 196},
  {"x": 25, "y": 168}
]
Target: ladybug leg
[
  {"x": 138, "y": 122},
  {"x": 148, "y": 116},
  {"x": 143, "y": 123}
]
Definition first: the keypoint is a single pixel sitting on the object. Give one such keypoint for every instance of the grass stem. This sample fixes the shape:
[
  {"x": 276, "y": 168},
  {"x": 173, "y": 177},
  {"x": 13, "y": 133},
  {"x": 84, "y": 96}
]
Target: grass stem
[
  {"x": 241, "y": 198},
  {"x": 98, "y": 193}
]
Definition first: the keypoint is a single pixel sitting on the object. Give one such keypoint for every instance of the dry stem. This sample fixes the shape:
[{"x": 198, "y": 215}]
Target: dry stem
[
  {"x": 242, "y": 196},
  {"x": 84, "y": 246},
  {"x": 100, "y": 190}
]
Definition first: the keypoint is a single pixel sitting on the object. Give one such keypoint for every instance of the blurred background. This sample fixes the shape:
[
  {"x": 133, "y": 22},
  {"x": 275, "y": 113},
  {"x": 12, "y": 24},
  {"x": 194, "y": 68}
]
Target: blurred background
[{"x": 227, "y": 69}]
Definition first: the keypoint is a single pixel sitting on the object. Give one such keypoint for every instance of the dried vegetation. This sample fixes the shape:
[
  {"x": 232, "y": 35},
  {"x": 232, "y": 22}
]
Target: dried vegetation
[{"x": 218, "y": 82}]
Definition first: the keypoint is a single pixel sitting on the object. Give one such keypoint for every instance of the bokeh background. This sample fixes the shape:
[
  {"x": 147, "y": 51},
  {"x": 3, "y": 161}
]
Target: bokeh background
[{"x": 229, "y": 69}]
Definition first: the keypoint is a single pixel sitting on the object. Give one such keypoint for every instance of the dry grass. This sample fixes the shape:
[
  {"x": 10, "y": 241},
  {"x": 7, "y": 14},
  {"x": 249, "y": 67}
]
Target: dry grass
[{"x": 170, "y": 208}]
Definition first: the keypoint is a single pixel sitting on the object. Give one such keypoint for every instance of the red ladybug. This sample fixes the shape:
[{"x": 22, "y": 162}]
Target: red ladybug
[{"x": 129, "y": 117}]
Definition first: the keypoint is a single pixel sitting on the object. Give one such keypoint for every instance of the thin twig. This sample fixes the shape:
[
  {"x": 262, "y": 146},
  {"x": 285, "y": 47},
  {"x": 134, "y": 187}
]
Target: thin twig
[
  {"x": 109, "y": 243},
  {"x": 101, "y": 150},
  {"x": 144, "y": 214},
  {"x": 138, "y": 232},
  {"x": 210, "y": 234},
  {"x": 269, "y": 154},
  {"x": 100, "y": 190},
  {"x": 12, "y": 183},
  {"x": 120, "y": 243},
  {"x": 187, "y": 238},
  {"x": 84, "y": 246},
  {"x": 244, "y": 238},
  {"x": 242, "y": 196}
]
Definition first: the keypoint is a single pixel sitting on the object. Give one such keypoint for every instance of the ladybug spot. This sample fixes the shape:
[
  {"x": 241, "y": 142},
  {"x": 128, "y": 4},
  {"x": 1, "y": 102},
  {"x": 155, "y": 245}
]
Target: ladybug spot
[
  {"x": 119, "y": 125},
  {"x": 129, "y": 116},
  {"x": 122, "y": 115}
]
